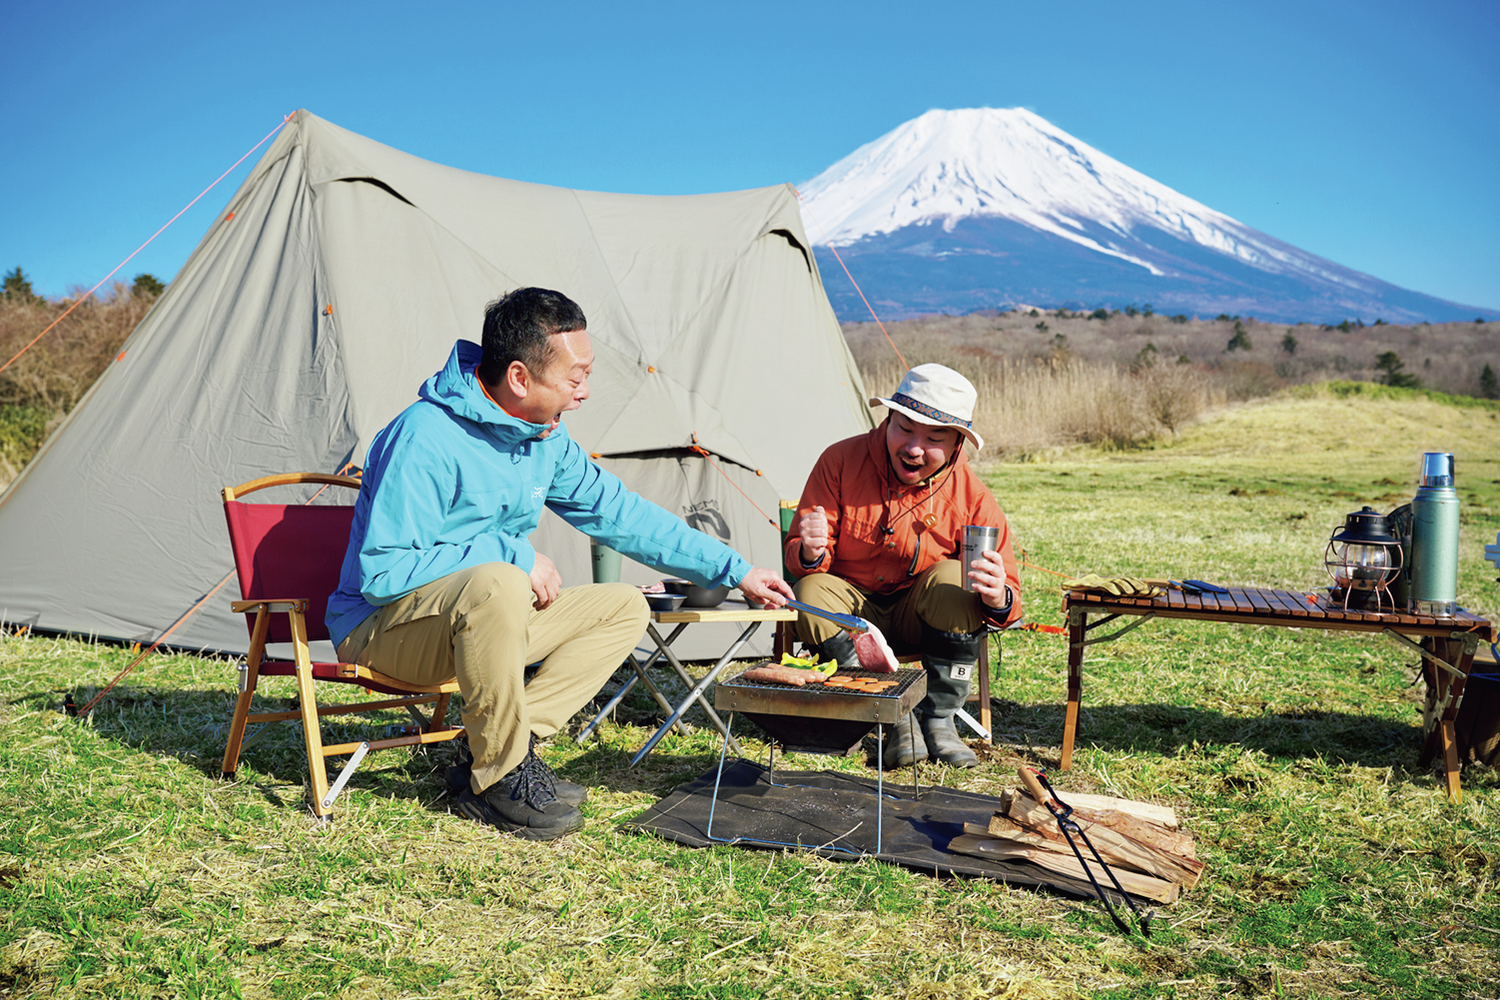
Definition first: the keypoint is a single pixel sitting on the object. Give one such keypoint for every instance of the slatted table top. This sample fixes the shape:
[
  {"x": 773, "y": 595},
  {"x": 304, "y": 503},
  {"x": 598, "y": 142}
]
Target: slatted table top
[{"x": 1272, "y": 606}]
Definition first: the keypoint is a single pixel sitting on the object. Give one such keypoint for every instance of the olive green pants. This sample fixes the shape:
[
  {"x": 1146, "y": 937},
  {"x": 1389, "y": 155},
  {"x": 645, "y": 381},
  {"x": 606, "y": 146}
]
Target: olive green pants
[
  {"x": 479, "y": 625},
  {"x": 936, "y": 597}
]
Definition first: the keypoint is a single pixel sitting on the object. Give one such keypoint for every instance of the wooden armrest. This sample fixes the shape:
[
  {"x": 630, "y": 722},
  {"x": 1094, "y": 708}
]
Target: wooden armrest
[{"x": 298, "y": 604}]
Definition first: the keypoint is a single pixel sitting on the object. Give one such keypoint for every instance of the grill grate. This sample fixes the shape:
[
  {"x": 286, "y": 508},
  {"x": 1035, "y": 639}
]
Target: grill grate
[
  {"x": 904, "y": 680},
  {"x": 819, "y": 718}
]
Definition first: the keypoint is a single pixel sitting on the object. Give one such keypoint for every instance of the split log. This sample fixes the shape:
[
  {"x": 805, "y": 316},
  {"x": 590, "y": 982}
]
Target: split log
[
  {"x": 1114, "y": 847},
  {"x": 1159, "y": 837},
  {"x": 1146, "y": 812},
  {"x": 998, "y": 849},
  {"x": 1163, "y": 838}
]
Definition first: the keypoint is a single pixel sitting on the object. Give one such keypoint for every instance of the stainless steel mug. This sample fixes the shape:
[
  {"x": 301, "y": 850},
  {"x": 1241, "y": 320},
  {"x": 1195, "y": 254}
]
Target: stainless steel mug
[{"x": 977, "y": 538}]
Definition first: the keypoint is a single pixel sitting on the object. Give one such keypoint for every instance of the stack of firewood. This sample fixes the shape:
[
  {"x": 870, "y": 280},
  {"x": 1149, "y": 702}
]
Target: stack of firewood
[{"x": 1142, "y": 843}]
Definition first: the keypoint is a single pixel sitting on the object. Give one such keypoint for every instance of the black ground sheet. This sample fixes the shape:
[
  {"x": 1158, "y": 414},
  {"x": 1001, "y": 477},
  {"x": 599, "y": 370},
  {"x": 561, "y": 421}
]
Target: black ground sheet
[{"x": 823, "y": 811}]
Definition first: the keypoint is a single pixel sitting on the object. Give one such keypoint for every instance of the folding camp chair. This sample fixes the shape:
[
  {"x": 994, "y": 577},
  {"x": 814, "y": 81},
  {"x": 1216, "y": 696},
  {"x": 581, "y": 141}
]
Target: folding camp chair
[{"x": 288, "y": 557}]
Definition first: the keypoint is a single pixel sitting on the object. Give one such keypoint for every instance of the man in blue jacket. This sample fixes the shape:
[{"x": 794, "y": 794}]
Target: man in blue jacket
[{"x": 439, "y": 579}]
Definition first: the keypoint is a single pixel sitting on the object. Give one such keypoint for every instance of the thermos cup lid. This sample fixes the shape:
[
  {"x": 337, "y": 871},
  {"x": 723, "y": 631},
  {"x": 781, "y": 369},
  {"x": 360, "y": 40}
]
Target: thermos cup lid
[{"x": 1437, "y": 469}]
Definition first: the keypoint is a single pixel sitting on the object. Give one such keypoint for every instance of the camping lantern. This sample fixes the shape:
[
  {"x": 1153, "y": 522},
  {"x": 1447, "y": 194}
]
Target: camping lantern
[{"x": 1363, "y": 557}]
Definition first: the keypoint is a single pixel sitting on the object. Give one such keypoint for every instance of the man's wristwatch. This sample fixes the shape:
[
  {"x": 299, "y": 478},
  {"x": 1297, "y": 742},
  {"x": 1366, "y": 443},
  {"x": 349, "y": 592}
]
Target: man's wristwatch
[{"x": 995, "y": 617}]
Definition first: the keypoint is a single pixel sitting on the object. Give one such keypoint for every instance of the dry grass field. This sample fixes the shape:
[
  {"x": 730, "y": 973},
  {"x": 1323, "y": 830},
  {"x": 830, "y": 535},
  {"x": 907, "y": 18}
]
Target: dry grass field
[
  {"x": 1049, "y": 380},
  {"x": 1448, "y": 357},
  {"x": 1336, "y": 866}
]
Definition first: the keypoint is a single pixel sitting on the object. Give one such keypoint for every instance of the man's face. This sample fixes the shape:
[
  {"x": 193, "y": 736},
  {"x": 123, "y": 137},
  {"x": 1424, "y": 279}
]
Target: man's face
[
  {"x": 917, "y": 450},
  {"x": 564, "y": 385}
]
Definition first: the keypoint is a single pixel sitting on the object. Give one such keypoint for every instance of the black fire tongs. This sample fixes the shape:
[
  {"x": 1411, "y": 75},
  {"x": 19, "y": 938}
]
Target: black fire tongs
[{"x": 1041, "y": 790}]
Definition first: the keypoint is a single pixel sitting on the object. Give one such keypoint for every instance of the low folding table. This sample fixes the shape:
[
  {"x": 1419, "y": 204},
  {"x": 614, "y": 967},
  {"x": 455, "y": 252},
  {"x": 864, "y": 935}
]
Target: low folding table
[
  {"x": 1446, "y": 645},
  {"x": 730, "y": 611}
]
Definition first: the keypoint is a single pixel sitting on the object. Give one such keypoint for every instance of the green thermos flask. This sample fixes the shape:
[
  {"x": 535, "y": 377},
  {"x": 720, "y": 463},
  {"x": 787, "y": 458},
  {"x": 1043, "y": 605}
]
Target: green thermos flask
[{"x": 1434, "y": 538}]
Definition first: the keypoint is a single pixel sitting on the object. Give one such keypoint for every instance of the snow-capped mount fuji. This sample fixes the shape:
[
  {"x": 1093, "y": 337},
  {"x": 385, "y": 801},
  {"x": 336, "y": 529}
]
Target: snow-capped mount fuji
[{"x": 986, "y": 207}]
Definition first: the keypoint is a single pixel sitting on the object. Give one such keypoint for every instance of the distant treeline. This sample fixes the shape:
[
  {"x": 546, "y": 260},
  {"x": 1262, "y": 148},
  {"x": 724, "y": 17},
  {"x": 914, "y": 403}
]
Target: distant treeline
[{"x": 1047, "y": 377}]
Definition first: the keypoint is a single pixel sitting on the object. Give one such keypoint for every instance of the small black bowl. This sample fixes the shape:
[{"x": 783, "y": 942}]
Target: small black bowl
[
  {"x": 695, "y": 596},
  {"x": 665, "y": 602}
]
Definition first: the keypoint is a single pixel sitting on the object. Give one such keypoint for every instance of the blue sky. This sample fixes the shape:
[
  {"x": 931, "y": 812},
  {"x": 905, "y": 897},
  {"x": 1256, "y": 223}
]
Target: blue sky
[{"x": 1365, "y": 132}]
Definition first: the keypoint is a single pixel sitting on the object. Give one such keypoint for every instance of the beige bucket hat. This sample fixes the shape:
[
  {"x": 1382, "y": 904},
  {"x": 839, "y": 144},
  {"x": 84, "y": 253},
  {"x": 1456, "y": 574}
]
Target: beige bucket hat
[{"x": 936, "y": 395}]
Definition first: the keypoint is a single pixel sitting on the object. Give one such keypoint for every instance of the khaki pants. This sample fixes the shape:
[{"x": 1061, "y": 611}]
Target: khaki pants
[
  {"x": 936, "y": 597},
  {"x": 479, "y": 625}
]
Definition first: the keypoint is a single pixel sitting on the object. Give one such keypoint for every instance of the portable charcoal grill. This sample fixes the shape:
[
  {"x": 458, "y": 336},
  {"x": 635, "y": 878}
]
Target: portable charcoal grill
[
  {"x": 820, "y": 719},
  {"x": 815, "y": 718}
]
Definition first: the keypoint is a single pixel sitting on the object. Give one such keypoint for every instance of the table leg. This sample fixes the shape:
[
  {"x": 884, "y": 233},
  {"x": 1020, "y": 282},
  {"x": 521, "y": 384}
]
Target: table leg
[
  {"x": 640, "y": 675},
  {"x": 1450, "y": 760},
  {"x": 1445, "y": 690},
  {"x": 696, "y": 694},
  {"x": 1076, "y": 631},
  {"x": 687, "y": 680}
]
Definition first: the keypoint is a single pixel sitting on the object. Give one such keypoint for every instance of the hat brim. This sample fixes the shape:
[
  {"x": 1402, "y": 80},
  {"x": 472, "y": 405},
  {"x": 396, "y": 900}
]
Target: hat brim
[{"x": 922, "y": 418}]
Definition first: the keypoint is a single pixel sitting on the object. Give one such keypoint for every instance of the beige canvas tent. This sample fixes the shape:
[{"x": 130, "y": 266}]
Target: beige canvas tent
[{"x": 335, "y": 281}]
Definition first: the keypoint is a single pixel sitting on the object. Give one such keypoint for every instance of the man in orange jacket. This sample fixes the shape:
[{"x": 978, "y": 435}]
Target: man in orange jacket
[{"x": 879, "y": 534}]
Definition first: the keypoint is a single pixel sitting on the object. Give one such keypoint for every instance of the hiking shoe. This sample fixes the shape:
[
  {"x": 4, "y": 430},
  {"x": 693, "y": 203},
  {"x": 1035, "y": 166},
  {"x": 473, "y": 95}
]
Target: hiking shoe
[
  {"x": 458, "y": 776},
  {"x": 522, "y": 803}
]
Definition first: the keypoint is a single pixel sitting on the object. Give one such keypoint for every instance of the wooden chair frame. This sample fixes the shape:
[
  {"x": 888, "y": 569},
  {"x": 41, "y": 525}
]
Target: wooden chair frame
[{"x": 430, "y": 729}]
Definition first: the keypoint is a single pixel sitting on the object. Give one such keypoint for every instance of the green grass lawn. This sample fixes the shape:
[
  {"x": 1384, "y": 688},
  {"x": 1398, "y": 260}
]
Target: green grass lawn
[{"x": 1335, "y": 865}]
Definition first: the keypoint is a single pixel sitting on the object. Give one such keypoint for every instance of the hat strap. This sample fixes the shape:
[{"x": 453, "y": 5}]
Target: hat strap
[{"x": 928, "y": 410}]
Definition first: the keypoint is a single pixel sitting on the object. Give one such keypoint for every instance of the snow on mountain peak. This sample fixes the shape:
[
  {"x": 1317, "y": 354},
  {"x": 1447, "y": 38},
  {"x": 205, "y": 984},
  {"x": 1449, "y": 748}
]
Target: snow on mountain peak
[{"x": 1009, "y": 162}]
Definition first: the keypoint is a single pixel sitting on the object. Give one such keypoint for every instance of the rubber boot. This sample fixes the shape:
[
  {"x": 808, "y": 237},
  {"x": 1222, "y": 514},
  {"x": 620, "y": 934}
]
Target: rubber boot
[
  {"x": 839, "y": 648},
  {"x": 904, "y": 745},
  {"x": 950, "y": 659}
]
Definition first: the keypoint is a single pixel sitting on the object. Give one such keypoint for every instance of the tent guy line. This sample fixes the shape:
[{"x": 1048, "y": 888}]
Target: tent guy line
[
  {"x": 240, "y": 370},
  {"x": 86, "y": 709},
  {"x": 707, "y": 456},
  {"x": 84, "y": 297},
  {"x": 834, "y": 250}
]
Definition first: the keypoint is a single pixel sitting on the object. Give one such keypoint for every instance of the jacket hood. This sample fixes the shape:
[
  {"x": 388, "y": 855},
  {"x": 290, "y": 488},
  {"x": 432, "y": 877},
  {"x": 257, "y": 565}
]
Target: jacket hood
[{"x": 456, "y": 389}]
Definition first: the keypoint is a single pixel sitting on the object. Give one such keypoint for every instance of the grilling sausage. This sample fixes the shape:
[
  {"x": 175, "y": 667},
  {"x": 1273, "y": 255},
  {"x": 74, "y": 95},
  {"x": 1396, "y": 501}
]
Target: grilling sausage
[{"x": 783, "y": 675}]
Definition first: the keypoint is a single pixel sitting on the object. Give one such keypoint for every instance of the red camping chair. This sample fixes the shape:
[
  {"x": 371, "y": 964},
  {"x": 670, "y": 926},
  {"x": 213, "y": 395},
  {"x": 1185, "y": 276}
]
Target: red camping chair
[{"x": 288, "y": 557}]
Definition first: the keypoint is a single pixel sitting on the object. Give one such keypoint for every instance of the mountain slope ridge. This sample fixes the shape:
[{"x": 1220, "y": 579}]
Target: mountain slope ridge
[{"x": 952, "y": 168}]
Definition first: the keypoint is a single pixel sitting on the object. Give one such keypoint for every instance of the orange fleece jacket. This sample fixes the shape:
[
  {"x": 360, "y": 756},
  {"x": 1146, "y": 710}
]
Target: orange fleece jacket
[{"x": 853, "y": 483}]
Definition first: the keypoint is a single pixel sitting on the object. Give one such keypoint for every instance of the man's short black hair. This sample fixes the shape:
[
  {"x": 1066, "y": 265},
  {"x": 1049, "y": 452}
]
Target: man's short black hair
[{"x": 517, "y": 327}]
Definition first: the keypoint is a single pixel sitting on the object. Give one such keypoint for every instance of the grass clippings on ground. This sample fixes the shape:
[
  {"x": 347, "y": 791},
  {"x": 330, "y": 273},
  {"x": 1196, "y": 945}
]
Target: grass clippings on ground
[{"x": 1335, "y": 864}]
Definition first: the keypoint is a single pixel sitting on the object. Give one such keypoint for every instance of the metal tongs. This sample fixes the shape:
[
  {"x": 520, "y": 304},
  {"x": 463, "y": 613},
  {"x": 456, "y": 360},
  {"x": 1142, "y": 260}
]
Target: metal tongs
[
  {"x": 854, "y": 623},
  {"x": 1042, "y": 791}
]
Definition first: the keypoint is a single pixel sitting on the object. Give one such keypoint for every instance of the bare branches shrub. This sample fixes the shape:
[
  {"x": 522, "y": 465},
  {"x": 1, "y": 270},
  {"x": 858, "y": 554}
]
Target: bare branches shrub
[
  {"x": 58, "y": 369},
  {"x": 1175, "y": 394},
  {"x": 48, "y": 378}
]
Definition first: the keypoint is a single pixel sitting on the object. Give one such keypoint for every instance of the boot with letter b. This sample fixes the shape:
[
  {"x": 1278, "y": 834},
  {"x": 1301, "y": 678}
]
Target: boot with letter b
[{"x": 950, "y": 659}]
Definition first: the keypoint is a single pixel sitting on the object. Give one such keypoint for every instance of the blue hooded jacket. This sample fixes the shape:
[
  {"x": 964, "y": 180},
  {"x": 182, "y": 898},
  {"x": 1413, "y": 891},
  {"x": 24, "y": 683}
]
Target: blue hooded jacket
[{"x": 455, "y": 481}]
